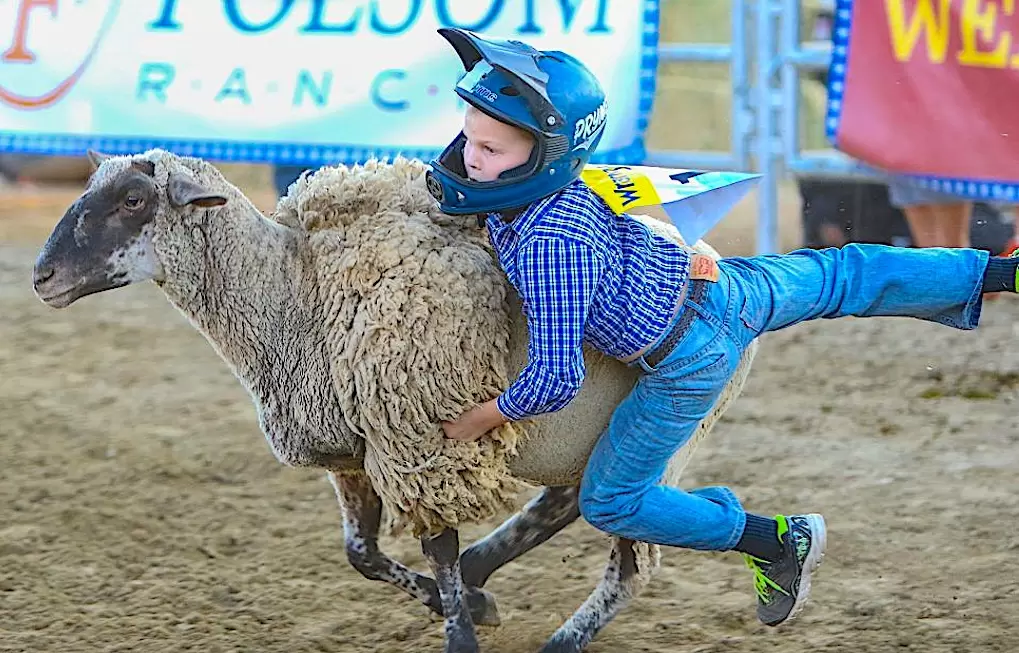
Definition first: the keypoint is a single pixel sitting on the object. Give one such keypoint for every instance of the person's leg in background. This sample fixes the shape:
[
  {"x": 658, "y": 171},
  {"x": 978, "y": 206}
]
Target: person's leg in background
[
  {"x": 940, "y": 225},
  {"x": 936, "y": 219}
]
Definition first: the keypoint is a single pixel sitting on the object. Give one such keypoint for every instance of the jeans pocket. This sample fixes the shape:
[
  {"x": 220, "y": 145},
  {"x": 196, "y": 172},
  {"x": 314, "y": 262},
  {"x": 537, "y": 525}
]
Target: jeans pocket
[
  {"x": 712, "y": 366},
  {"x": 752, "y": 313},
  {"x": 706, "y": 364},
  {"x": 695, "y": 390}
]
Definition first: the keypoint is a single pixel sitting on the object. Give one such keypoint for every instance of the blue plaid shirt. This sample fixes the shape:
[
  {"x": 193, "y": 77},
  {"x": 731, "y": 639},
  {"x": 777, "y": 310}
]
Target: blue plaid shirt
[{"x": 584, "y": 274}]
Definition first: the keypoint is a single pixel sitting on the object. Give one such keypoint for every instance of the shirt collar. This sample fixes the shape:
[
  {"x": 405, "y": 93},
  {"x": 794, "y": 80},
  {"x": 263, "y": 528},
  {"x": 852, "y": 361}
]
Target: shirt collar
[{"x": 521, "y": 221}]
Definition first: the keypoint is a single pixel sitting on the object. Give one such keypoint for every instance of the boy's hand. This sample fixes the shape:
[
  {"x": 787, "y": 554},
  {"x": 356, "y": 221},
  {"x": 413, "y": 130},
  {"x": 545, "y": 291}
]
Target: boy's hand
[{"x": 475, "y": 423}]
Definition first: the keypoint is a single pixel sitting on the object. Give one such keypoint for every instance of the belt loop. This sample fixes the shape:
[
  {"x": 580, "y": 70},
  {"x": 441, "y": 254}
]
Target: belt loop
[{"x": 643, "y": 365}]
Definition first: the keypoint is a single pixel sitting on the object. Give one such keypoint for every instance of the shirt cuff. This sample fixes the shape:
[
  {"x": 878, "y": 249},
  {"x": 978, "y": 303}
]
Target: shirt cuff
[{"x": 509, "y": 408}]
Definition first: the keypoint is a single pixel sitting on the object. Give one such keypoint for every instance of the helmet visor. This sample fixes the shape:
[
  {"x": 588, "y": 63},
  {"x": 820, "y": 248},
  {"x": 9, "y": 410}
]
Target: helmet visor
[{"x": 532, "y": 91}]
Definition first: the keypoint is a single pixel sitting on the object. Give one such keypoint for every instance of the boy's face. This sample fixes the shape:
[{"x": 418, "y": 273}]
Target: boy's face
[{"x": 492, "y": 147}]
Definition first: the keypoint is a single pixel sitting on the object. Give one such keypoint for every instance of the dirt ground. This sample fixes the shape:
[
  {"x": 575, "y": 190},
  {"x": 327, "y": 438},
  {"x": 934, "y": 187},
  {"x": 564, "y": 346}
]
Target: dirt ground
[{"x": 141, "y": 510}]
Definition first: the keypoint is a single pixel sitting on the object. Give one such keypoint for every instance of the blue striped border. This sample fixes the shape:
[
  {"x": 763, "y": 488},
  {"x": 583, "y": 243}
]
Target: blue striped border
[
  {"x": 980, "y": 189},
  {"x": 636, "y": 153},
  {"x": 286, "y": 153},
  {"x": 837, "y": 68},
  {"x": 222, "y": 150}
]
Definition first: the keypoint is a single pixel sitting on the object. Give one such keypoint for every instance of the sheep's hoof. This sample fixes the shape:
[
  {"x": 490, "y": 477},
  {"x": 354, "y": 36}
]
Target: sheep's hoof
[{"x": 483, "y": 608}]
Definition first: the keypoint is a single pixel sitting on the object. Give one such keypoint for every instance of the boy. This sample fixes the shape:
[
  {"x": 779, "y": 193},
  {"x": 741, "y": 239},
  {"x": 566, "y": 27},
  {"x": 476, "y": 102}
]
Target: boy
[{"x": 588, "y": 275}]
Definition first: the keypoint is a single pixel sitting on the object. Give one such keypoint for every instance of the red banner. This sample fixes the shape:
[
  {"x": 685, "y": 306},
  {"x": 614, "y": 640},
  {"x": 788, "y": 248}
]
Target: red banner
[{"x": 929, "y": 88}]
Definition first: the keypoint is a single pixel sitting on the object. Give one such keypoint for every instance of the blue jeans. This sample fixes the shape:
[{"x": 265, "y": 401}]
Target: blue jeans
[{"x": 621, "y": 491}]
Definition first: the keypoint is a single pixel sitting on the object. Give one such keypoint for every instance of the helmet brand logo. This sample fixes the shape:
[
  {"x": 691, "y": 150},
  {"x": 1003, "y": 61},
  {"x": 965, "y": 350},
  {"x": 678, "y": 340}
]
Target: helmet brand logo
[
  {"x": 485, "y": 92},
  {"x": 589, "y": 126}
]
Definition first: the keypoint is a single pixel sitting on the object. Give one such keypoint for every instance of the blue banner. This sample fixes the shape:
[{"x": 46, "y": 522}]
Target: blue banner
[{"x": 291, "y": 81}]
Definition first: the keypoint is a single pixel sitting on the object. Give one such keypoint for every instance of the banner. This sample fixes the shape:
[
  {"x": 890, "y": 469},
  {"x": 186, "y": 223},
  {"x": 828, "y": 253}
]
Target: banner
[
  {"x": 693, "y": 200},
  {"x": 929, "y": 89},
  {"x": 291, "y": 81}
]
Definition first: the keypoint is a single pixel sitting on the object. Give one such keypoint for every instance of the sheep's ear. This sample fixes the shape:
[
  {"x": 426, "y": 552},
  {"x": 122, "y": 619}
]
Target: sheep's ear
[
  {"x": 144, "y": 166},
  {"x": 182, "y": 191},
  {"x": 96, "y": 158}
]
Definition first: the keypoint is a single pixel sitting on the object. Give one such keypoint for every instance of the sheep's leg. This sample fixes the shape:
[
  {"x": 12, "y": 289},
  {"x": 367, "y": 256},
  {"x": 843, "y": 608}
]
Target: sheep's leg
[
  {"x": 631, "y": 566},
  {"x": 361, "y": 508},
  {"x": 443, "y": 555},
  {"x": 549, "y": 512}
]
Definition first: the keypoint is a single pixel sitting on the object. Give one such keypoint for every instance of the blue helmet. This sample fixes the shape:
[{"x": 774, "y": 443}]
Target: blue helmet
[{"x": 548, "y": 93}]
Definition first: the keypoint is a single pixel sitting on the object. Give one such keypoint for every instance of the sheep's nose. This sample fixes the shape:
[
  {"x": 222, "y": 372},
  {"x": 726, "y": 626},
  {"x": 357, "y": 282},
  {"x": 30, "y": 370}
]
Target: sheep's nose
[{"x": 42, "y": 274}]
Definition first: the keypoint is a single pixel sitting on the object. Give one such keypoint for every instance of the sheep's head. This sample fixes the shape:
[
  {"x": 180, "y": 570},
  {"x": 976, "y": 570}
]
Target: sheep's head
[{"x": 105, "y": 238}]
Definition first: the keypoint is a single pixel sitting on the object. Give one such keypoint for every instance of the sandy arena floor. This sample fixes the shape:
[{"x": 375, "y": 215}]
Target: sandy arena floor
[{"x": 141, "y": 510}]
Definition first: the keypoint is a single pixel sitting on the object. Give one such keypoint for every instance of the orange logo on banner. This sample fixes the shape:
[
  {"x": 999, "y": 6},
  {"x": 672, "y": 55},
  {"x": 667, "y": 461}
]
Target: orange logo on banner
[{"x": 19, "y": 53}]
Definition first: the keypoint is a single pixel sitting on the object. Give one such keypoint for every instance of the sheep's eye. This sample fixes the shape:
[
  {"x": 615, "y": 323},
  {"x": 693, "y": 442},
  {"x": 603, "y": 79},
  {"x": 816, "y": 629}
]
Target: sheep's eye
[{"x": 133, "y": 202}]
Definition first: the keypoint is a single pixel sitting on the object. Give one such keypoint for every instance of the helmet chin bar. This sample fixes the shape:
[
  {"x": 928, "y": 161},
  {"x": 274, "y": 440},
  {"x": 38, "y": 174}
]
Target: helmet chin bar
[{"x": 448, "y": 180}]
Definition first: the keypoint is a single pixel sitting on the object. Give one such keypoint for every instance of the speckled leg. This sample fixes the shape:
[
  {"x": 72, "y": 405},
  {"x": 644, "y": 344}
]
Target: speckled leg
[
  {"x": 443, "y": 554},
  {"x": 631, "y": 567},
  {"x": 361, "y": 509},
  {"x": 549, "y": 512}
]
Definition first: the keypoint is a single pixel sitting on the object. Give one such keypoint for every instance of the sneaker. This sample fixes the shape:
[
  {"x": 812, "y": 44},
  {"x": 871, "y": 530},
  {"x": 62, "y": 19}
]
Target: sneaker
[{"x": 783, "y": 585}]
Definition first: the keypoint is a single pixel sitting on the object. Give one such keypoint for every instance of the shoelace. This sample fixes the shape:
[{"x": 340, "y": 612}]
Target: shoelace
[{"x": 762, "y": 584}]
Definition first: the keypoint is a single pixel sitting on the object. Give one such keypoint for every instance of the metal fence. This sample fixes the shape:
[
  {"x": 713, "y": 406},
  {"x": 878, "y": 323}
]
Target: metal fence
[{"x": 766, "y": 58}]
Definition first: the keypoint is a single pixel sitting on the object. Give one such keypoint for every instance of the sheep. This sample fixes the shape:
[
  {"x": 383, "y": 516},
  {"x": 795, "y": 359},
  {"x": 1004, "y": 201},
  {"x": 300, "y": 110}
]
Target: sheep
[{"x": 248, "y": 283}]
